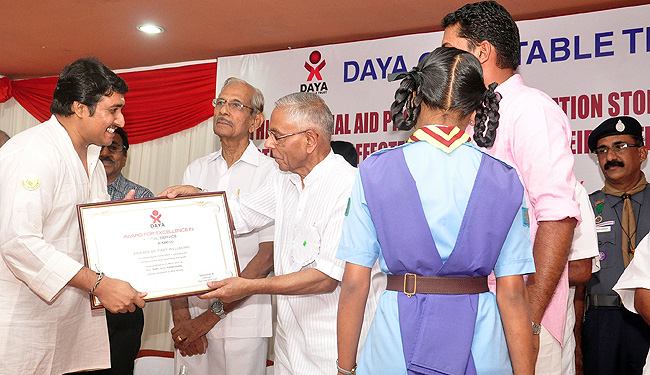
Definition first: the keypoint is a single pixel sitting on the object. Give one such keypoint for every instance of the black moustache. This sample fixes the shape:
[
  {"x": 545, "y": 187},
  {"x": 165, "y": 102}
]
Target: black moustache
[
  {"x": 613, "y": 163},
  {"x": 107, "y": 159},
  {"x": 224, "y": 120}
]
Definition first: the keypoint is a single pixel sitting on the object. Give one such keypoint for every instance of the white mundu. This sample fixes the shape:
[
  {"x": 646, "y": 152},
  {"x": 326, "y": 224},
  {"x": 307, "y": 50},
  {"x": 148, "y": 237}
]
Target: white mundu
[
  {"x": 636, "y": 275},
  {"x": 242, "y": 337},
  {"x": 308, "y": 223}
]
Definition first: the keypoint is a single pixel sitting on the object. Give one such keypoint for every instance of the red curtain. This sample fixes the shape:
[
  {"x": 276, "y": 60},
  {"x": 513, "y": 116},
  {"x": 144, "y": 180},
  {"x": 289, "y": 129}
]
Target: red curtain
[
  {"x": 160, "y": 102},
  {"x": 5, "y": 89}
]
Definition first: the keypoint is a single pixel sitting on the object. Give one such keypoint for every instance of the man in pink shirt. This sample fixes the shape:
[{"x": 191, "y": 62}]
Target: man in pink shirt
[{"x": 534, "y": 137}]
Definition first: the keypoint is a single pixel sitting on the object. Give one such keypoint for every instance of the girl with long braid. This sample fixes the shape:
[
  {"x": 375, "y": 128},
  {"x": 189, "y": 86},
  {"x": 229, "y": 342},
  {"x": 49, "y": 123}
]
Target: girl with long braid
[{"x": 440, "y": 215}]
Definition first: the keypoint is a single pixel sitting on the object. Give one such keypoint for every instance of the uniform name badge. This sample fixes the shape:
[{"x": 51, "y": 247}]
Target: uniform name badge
[{"x": 165, "y": 247}]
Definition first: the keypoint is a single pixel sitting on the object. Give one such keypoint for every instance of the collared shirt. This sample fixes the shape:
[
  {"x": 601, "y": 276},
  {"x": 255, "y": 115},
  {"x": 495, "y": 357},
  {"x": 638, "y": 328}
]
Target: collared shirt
[
  {"x": 453, "y": 179},
  {"x": 253, "y": 317},
  {"x": 636, "y": 275},
  {"x": 46, "y": 326},
  {"x": 610, "y": 235},
  {"x": 534, "y": 136},
  {"x": 308, "y": 223},
  {"x": 121, "y": 186}
]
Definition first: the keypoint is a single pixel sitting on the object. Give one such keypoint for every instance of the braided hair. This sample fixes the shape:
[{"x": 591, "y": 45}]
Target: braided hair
[
  {"x": 451, "y": 80},
  {"x": 487, "y": 113}
]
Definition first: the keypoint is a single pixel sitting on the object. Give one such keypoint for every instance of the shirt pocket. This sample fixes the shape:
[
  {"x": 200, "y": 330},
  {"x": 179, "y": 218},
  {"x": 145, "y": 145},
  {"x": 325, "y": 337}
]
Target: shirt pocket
[
  {"x": 606, "y": 248},
  {"x": 305, "y": 247}
]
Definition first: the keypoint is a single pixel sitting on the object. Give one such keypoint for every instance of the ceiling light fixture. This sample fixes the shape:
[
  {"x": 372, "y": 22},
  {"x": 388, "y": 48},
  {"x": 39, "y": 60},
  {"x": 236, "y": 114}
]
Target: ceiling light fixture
[{"x": 150, "y": 29}]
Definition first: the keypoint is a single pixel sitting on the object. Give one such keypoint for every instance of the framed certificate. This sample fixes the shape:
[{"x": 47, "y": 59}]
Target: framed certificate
[{"x": 165, "y": 247}]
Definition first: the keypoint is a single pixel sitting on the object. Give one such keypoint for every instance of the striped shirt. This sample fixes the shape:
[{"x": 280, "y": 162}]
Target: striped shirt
[
  {"x": 121, "y": 186},
  {"x": 308, "y": 223}
]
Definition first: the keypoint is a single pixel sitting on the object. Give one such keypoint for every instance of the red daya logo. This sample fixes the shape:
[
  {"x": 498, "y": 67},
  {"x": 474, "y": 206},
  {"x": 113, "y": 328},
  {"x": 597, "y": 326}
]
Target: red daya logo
[
  {"x": 313, "y": 69},
  {"x": 155, "y": 216}
]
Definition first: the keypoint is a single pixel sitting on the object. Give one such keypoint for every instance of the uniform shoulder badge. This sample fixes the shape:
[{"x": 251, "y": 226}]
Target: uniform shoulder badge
[{"x": 525, "y": 216}]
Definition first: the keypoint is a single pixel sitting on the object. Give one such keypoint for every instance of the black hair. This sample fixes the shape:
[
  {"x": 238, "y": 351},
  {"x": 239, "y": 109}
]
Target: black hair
[
  {"x": 125, "y": 138},
  {"x": 347, "y": 150},
  {"x": 488, "y": 20},
  {"x": 451, "y": 80},
  {"x": 85, "y": 81}
]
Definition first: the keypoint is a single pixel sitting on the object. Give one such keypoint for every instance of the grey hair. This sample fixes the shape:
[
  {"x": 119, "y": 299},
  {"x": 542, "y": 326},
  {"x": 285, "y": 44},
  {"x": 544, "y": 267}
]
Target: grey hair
[
  {"x": 308, "y": 109},
  {"x": 4, "y": 137},
  {"x": 257, "y": 100}
]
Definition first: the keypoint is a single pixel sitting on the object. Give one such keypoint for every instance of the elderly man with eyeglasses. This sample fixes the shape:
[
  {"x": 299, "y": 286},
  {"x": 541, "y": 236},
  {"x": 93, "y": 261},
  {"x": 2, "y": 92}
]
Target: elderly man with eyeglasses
[
  {"x": 307, "y": 199},
  {"x": 231, "y": 339},
  {"x": 614, "y": 340}
]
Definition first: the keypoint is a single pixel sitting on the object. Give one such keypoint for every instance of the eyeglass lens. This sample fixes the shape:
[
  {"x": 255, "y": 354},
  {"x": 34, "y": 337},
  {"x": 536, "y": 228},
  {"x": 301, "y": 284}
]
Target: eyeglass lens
[
  {"x": 232, "y": 104},
  {"x": 617, "y": 148}
]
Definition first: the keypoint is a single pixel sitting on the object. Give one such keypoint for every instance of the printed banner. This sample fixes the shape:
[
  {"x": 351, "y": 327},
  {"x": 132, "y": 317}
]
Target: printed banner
[{"x": 594, "y": 65}]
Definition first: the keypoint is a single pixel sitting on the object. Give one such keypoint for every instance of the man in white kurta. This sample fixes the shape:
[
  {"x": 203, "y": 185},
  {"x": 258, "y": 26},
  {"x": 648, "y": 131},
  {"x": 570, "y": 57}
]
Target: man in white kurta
[
  {"x": 637, "y": 276},
  {"x": 248, "y": 326},
  {"x": 42, "y": 181},
  {"x": 238, "y": 343},
  {"x": 307, "y": 199},
  {"x": 309, "y": 221},
  {"x": 46, "y": 324}
]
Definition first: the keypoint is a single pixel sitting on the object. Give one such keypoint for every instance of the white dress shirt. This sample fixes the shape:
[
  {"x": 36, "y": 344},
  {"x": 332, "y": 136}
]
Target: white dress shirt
[
  {"x": 308, "y": 223},
  {"x": 585, "y": 239},
  {"x": 253, "y": 317},
  {"x": 46, "y": 327},
  {"x": 583, "y": 246},
  {"x": 636, "y": 275}
]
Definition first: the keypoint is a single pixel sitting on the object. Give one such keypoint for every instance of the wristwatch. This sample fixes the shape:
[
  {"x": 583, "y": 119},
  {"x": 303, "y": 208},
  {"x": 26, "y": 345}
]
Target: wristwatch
[
  {"x": 537, "y": 328},
  {"x": 217, "y": 308}
]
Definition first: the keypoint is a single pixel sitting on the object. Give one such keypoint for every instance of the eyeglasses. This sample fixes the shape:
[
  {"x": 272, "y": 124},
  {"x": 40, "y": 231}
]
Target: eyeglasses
[
  {"x": 278, "y": 137},
  {"x": 232, "y": 104},
  {"x": 115, "y": 147},
  {"x": 618, "y": 148}
]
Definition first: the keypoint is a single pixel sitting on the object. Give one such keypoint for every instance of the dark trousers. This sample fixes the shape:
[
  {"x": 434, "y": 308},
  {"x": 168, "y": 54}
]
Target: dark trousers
[
  {"x": 614, "y": 342},
  {"x": 124, "y": 333}
]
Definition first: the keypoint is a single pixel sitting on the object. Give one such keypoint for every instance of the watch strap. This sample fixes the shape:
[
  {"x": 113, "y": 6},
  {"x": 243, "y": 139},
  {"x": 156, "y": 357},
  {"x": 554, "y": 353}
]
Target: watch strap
[{"x": 537, "y": 328}]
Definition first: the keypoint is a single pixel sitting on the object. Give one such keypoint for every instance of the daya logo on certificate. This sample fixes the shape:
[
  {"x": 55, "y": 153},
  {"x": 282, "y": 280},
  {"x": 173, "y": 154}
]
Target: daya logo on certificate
[{"x": 156, "y": 219}]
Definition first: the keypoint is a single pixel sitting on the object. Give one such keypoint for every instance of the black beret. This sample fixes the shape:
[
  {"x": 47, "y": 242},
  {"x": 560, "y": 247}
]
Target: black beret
[{"x": 614, "y": 126}]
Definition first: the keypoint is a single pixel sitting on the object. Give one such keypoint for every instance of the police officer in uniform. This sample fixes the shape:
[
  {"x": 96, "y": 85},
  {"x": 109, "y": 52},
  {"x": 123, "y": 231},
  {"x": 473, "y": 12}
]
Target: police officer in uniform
[{"x": 614, "y": 340}]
